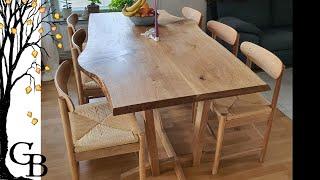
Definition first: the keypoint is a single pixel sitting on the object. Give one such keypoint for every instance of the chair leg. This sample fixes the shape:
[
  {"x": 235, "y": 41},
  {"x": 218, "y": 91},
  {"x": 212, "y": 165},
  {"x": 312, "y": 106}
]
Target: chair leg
[
  {"x": 222, "y": 122},
  {"x": 74, "y": 170},
  {"x": 142, "y": 167},
  {"x": 80, "y": 100},
  {"x": 83, "y": 100},
  {"x": 86, "y": 100},
  {"x": 266, "y": 140}
]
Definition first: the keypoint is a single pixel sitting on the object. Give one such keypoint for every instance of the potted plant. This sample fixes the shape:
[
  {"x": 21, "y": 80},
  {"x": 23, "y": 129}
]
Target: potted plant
[
  {"x": 117, "y": 5},
  {"x": 66, "y": 9},
  {"x": 93, "y": 7}
]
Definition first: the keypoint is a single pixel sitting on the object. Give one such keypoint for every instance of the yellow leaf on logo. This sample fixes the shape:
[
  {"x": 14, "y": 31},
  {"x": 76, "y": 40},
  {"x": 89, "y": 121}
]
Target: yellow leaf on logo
[
  {"x": 34, "y": 3},
  {"x": 58, "y": 36},
  {"x": 34, "y": 53},
  {"x": 38, "y": 87},
  {"x": 53, "y": 28},
  {"x": 29, "y": 114},
  {"x": 42, "y": 9},
  {"x": 29, "y": 22},
  {"x": 13, "y": 30},
  {"x": 34, "y": 121},
  {"x": 41, "y": 30},
  {"x": 60, "y": 45},
  {"x": 28, "y": 89},
  {"x": 47, "y": 68},
  {"x": 38, "y": 70},
  {"x": 56, "y": 16}
]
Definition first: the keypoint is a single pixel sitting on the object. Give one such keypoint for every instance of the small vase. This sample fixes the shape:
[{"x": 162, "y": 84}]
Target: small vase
[{"x": 93, "y": 8}]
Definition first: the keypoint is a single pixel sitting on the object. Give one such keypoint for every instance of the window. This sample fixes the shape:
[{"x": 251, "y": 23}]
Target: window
[{"x": 79, "y": 5}]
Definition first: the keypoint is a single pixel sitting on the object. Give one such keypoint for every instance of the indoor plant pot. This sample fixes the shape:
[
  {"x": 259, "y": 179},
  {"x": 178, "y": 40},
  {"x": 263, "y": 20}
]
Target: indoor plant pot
[{"x": 94, "y": 7}]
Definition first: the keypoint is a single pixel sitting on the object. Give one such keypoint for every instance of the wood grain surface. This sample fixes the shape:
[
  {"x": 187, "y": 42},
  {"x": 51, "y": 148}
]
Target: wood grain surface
[{"x": 186, "y": 65}]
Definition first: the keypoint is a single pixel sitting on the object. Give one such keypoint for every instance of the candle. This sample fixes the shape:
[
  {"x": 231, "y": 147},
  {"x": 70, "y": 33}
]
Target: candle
[{"x": 156, "y": 18}]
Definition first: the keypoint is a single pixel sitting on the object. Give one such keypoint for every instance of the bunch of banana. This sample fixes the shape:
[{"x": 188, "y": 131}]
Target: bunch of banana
[{"x": 132, "y": 10}]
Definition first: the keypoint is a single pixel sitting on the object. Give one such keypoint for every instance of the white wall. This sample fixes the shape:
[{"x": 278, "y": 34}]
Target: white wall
[{"x": 174, "y": 6}]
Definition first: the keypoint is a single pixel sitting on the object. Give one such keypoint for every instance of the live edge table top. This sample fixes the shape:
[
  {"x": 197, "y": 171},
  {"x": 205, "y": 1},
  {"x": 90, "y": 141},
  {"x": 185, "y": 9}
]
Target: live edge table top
[{"x": 185, "y": 66}]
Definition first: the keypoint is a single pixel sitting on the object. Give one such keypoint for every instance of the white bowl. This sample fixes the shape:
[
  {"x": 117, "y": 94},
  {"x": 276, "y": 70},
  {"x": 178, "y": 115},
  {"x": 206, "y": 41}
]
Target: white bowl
[{"x": 142, "y": 21}]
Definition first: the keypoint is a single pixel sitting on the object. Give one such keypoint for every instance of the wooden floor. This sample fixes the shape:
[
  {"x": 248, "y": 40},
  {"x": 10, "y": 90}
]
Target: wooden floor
[{"x": 177, "y": 122}]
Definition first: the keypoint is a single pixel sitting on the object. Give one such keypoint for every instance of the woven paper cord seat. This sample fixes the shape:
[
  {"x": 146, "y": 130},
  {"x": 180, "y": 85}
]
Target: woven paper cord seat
[
  {"x": 89, "y": 83},
  {"x": 241, "y": 106},
  {"x": 94, "y": 127}
]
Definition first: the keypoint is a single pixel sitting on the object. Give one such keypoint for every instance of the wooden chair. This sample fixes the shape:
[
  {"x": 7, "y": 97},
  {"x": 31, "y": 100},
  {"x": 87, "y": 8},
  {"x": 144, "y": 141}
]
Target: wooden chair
[
  {"x": 78, "y": 38},
  {"x": 248, "y": 109},
  {"x": 225, "y": 33},
  {"x": 72, "y": 21},
  {"x": 192, "y": 14},
  {"x": 87, "y": 88},
  {"x": 228, "y": 35},
  {"x": 92, "y": 132}
]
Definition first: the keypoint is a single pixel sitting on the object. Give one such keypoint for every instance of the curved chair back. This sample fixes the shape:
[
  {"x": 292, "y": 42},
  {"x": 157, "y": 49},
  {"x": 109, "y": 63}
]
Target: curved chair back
[
  {"x": 267, "y": 61},
  {"x": 263, "y": 58},
  {"x": 225, "y": 33},
  {"x": 78, "y": 39},
  {"x": 72, "y": 21},
  {"x": 273, "y": 66},
  {"x": 192, "y": 14},
  {"x": 61, "y": 81},
  {"x": 66, "y": 106},
  {"x": 77, "y": 74}
]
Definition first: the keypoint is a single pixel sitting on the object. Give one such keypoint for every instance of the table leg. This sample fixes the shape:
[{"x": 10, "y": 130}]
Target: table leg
[
  {"x": 151, "y": 142},
  {"x": 194, "y": 111},
  {"x": 199, "y": 125},
  {"x": 167, "y": 145}
]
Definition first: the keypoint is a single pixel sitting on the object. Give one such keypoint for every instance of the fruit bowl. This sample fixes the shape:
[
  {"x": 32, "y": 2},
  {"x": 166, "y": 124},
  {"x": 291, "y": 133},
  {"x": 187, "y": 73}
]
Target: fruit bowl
[
  {"x": 140, "y": 13},
  {"x": 142, "y": 21}
]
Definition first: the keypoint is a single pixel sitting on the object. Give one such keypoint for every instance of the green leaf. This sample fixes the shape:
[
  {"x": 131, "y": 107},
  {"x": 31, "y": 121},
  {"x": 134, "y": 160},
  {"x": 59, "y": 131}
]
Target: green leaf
[
  {"x": 117, "y": 5},
  {"x": 95, "y": 1}
]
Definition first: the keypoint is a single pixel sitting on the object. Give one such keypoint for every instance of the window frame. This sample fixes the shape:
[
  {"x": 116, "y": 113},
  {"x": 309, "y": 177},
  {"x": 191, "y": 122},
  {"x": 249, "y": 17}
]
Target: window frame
[{"x": 79, "y": 10}]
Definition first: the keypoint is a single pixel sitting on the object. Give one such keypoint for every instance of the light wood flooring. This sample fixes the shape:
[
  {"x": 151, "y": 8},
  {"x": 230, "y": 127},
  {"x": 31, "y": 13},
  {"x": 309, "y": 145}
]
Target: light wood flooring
[{"x": 177, "y": 122}]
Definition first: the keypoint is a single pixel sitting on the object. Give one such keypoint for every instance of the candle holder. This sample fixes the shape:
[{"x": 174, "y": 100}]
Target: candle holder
[
  {"x": 156, "y": 25},
  {"x": 153, "y": 33}
]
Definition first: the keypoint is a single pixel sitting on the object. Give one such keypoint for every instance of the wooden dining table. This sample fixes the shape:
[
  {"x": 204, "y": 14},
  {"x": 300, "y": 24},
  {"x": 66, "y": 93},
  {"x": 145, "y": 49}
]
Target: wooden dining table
[{"x": 138, "y": 74}]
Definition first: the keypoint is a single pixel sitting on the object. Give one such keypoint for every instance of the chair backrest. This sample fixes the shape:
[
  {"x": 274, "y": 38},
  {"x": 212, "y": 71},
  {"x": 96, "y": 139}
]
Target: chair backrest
[
  {"x": 263, "y": 58},
  {"x": 225, "y": 33},
  {"x": 72, "y": 21},
  {"x": 267, "y": 61},
  {"x": 61, "y": 81},
  {"x": 192, "y": 14},
  {"x": 78, "y": 39},
  {"x": 77, "y": 74},
  {"x": 65, "y": 103}
]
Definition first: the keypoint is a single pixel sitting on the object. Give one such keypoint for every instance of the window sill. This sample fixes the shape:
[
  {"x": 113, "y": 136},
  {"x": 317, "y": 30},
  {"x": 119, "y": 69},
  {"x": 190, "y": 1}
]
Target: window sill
[{"x": 81, "y": 19}]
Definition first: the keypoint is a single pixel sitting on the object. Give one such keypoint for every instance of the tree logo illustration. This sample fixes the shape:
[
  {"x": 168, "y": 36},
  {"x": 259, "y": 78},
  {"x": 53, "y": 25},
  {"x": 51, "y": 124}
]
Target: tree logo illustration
[{"x": 21, "y": 20}]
